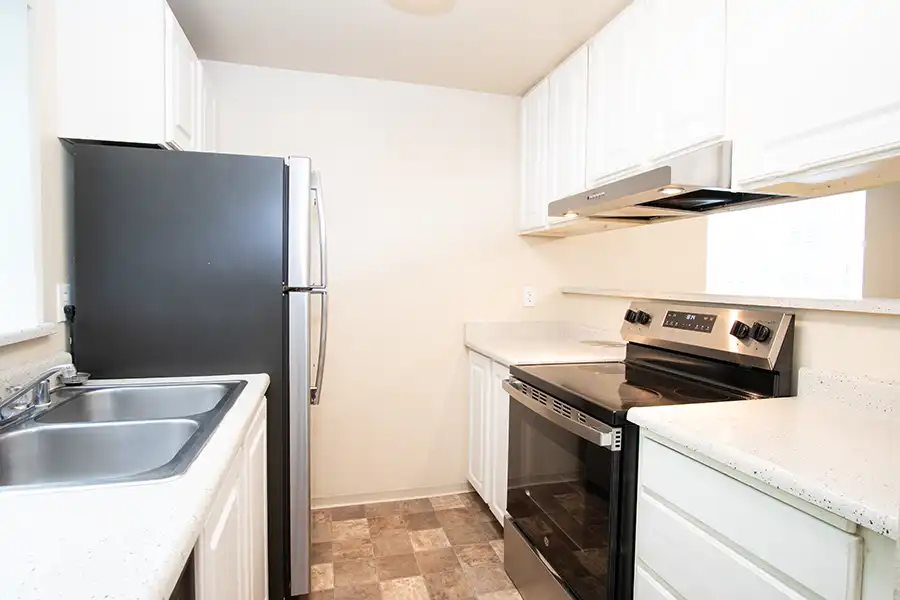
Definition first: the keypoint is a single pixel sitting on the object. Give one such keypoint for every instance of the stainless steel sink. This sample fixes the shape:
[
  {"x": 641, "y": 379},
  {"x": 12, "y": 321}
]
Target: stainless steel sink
[
  {"x": 135, "y": 403},
  {"x": 114, "y": 434},
  {"x": 89, "y": 453}
]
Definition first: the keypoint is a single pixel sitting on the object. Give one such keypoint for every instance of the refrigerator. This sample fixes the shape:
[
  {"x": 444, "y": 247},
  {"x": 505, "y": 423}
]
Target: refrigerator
[{"x": 189, "y": 263}]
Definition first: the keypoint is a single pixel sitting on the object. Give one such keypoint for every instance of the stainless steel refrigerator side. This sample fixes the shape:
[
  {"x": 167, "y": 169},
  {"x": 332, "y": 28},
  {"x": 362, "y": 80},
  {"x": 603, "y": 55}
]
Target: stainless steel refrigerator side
[
  {"x": 299, "y": 272},
  {"x": 298, "y": 439}
]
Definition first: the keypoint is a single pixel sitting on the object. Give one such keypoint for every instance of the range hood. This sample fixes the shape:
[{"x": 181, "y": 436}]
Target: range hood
[{"x": 688, "y": 185}]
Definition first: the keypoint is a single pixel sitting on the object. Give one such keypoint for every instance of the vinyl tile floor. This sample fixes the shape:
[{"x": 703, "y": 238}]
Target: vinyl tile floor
[{"x": 442, "y": 548}]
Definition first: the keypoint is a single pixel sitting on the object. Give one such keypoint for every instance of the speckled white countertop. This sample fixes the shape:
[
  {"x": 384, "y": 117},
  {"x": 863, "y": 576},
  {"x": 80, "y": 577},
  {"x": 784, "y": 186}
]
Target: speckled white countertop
[
  {"x": 835, "y": 445},
  {"x": 121, "y": 542},
  {"x": 521, "y": 343}
]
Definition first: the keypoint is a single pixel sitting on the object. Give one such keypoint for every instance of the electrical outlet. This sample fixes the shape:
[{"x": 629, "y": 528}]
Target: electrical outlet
[
  {"x": 529, "y": 295},
  {"x": 63, "y": 297}
]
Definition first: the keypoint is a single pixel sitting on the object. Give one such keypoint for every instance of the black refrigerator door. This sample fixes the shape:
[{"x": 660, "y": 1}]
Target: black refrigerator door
[{"x": 178, "y": 269}]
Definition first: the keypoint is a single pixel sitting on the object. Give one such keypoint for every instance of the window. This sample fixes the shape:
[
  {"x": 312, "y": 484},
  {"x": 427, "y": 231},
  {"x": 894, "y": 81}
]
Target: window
[
  {"x": 805, "y": 249},
  {"x": 20, "y": 305}
]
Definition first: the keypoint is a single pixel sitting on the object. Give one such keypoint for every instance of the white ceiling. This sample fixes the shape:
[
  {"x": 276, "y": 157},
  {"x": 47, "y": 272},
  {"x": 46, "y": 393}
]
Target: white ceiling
[{"x": 502, "y": 46}]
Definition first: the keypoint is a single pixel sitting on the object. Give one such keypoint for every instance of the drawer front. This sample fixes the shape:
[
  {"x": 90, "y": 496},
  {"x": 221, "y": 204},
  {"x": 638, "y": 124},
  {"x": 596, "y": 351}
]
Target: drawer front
[
  {"x": 696, "y": 565},
  {"x": 822, "y": 558},
  {"x": 646, "y": 587}
]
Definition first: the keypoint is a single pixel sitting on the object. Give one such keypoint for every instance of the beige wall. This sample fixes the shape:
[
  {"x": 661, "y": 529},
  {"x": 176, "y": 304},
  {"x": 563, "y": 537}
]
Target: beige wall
[
  {"x": 52, "y": 220},
  {"x": 422, "y": 187},
  {"x": 668, "y": 256},
  {"x": 860, "y": 344},
  {"x": 881, "y": 272}
]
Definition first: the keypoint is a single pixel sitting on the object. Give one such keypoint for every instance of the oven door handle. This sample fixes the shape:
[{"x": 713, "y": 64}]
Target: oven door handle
[{"x": 607, "y": 437}]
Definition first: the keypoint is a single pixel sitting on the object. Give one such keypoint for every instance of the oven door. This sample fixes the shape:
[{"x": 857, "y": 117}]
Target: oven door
[{"x": 563, "y": 489}]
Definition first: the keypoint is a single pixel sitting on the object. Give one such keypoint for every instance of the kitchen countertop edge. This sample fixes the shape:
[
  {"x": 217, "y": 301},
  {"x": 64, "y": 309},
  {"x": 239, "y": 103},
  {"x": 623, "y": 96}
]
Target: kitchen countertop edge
[
  {"x": 151, "y": 570},
  {"x": 813, "y": 491}
]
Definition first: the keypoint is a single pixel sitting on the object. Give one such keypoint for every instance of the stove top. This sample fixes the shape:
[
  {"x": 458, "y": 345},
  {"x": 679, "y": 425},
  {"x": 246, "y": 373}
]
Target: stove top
[{"x": 607, "y": 390}]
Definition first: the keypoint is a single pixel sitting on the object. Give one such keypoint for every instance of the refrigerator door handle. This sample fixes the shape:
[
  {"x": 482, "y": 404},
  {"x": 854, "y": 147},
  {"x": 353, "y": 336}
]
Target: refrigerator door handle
[
  {"x": 323, "y": 245},
  {"x": 315, "y": 393}
]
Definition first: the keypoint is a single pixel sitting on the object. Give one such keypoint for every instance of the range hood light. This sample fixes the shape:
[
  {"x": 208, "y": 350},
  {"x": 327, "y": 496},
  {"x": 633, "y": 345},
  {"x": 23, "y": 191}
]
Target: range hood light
[
  {"x": 671, "y": 190},
  {"x": 571, "y": 214}
]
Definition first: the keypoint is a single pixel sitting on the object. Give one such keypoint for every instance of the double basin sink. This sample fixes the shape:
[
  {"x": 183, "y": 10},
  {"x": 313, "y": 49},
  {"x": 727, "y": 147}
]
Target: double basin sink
[{"x": 117, "y": 433}]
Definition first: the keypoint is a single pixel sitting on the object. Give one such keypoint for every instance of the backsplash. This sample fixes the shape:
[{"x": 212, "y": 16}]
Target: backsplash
[
  {"x": 874, "y": 394},
  {"x": 21, "y": 373}
]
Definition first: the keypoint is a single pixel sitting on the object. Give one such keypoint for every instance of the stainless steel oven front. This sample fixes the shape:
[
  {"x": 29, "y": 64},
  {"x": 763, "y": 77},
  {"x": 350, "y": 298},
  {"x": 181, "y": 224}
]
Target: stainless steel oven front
[{"x": 564, "y": 499}]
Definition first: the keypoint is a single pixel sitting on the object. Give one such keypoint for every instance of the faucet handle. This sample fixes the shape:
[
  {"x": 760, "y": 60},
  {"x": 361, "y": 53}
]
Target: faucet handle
[
  {"x": 74, "y": 378},
  {"x": 22, "y": 403},
  {"x": 41, "y": 394}
]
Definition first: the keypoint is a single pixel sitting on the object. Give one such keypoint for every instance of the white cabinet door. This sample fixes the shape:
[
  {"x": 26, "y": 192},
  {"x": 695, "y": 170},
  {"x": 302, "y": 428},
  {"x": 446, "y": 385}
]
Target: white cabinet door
[
  {"x": 181, "y": 86},
  {"x": 498, "y": 440},
  {"x": 255, "y": 480},
  {"x": 210, "y": 118},
  {"x": 479, "y": 399},
  {"x": 221, "y": 549},
  {"x": 568, "y": 126},
  {"x": 812, "y": 84},
  {"x": 110, "y": 74},
  {"x": 686, "y": 70},
  {"x": 535, "y": 169},
  {"x": 206, "y": 117},
  {"x": 615, "y": 130}
]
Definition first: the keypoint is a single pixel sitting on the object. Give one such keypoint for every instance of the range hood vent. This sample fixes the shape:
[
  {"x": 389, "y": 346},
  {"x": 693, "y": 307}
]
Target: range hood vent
[{"x": 691, "y": 184}]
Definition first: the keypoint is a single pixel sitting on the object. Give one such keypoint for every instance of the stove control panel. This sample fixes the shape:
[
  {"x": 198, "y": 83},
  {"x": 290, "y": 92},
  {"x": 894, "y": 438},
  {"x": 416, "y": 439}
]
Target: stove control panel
[
  {"x": 752, "y": 337},
  {"x": 690, "y": 321}
]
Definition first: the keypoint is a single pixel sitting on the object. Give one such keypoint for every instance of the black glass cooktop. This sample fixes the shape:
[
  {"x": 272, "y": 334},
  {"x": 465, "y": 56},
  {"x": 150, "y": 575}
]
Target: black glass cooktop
[{"x": 607, "y": 390}]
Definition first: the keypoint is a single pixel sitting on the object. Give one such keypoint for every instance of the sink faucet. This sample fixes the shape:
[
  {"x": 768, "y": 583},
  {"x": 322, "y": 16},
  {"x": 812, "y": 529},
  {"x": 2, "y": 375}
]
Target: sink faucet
[{"x": 19, "y": 402}]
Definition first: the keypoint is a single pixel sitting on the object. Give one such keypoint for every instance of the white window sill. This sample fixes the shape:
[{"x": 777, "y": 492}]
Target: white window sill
[{"x": 9, "y": 338}]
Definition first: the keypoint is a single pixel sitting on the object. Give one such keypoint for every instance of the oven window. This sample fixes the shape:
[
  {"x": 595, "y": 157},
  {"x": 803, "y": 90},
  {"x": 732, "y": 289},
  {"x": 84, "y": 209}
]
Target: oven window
[{"x": 563, "y": 495}]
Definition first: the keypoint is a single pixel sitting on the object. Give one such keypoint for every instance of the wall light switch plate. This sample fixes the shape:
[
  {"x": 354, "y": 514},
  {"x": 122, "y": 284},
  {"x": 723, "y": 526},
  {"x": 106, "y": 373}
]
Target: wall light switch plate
[
  {"x": 528, "y": 299},
  {"x": 63, "y": 298}
]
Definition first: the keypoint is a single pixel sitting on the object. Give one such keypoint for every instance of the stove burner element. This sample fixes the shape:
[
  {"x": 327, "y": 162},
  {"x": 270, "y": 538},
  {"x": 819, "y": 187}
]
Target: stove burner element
[{"x": 634, "y": 394}]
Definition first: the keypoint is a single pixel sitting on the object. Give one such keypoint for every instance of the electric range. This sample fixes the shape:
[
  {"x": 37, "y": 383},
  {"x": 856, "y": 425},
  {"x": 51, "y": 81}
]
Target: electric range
[{"x": 572, "y": 478}]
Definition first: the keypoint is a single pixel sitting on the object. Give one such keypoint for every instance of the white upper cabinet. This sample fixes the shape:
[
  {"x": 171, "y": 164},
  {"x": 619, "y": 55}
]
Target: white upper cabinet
[
  {"x": 182, "y": 87},
  {"x": 205, "y": 113},
  {"x": 656, "y": 85},
  {"x": 568, "y": 125},
  {"x": 126, "y": 73},
  {"x": 813, "y": 84},
  {"x": 683, "y": 100},
  {"x": 615, "y": 130},
  {"x": 535, "y": 168}
]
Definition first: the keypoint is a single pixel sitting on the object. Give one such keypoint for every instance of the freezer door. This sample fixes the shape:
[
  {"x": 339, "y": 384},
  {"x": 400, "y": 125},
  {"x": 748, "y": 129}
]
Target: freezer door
[
  {"x": 299, "y": 384},
  {"x": 299, "y": 223}
]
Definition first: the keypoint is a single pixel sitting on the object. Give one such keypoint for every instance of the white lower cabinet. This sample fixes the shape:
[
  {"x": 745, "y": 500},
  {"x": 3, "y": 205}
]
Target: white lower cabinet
[
  {"x": 220, "y": 551},
  {"x": 255, "y": 456},
  {"x": 703, "y": 534},
  {"x": 498, "y": 440},
  {"x": 488, "y": 431},
  {"x": 230, "y": 553},
  {"x": 479, "y": 394}
]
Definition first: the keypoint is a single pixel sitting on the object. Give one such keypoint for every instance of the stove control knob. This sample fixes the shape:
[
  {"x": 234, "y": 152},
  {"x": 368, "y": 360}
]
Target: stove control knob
[
  {"x": 630, "y": 316},
  {"x": 760, "y": 332},
  {"x": 740, "y": 330},
  {"x": 642, "y": 317}
]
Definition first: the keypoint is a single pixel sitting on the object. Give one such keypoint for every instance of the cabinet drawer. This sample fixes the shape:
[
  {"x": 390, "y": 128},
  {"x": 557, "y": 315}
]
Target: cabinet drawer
[
  {"x": 646, "y": 587},
  {"x": 822, "y": 558},
  {"x": 696, "y": 565}
]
